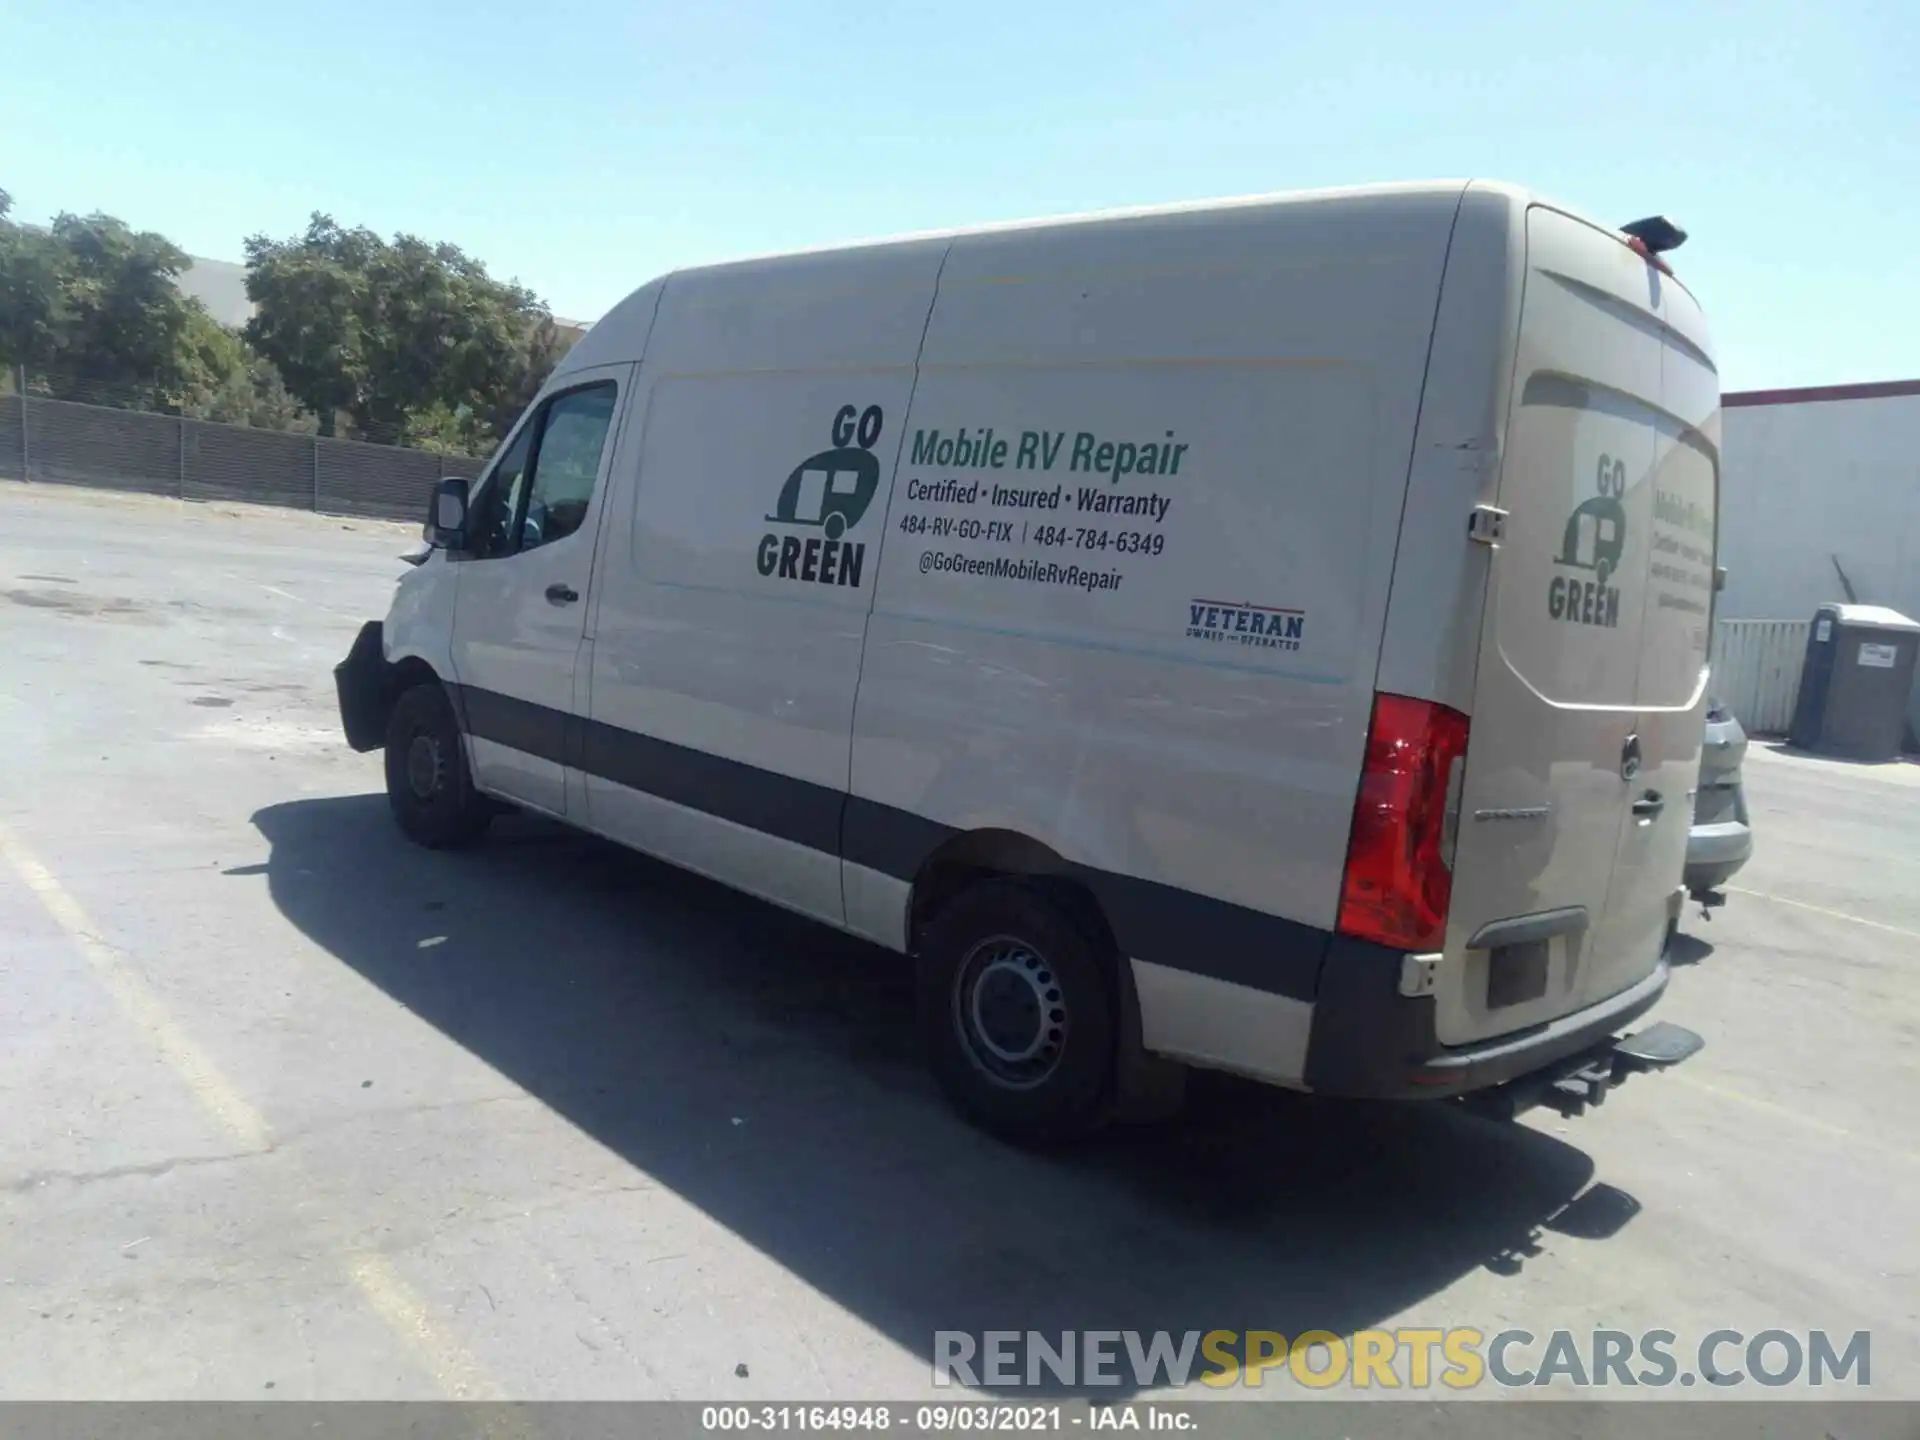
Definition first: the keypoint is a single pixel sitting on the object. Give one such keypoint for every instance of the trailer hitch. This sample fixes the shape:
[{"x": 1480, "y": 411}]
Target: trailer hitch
[{"x": 1571, "y": 1085}]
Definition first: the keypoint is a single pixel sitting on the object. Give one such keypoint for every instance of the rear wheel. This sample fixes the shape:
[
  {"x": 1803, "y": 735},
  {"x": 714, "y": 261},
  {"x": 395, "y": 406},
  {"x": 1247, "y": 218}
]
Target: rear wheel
[
  {"x": 428, "y": 785},
  {"x": 1017, "y": 1014}
]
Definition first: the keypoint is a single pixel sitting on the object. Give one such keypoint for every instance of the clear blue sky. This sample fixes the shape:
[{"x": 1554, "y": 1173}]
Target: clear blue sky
[{"x": 584, "y": 147}]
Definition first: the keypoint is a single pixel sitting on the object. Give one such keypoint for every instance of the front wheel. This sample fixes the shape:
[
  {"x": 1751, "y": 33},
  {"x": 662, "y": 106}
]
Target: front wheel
[
  {"x": 428, "y": 784},
  {"x": 1017, "y": 1014}
]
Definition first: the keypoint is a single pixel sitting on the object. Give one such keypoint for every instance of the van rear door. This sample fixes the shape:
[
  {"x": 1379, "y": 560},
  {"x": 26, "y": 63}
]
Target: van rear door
[
  {"x": 1561, "y": 879},
  {"x": 1678, "y": 621}
]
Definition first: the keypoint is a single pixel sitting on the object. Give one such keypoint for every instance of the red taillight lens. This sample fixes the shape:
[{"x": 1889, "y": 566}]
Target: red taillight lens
[{"x": 1398, "y": 882}]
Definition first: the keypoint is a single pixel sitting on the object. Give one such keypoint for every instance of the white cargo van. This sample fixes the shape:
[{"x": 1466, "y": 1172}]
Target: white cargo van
[{"x": 1266, "y": 635}]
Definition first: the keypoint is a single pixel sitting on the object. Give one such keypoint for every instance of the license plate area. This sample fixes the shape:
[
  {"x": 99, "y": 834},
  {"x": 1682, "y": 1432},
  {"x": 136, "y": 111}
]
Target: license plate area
[{"x": 1517, "y": 974}]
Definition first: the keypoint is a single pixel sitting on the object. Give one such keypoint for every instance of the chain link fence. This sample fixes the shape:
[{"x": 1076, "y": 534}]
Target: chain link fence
[{"x": 66, "y": 442}]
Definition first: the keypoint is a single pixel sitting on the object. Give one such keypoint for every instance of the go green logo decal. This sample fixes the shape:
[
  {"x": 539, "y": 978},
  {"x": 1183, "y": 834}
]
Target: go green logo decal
[
  {"x": 1595, "y": 539},
  {"x": 828, "y": 492}
]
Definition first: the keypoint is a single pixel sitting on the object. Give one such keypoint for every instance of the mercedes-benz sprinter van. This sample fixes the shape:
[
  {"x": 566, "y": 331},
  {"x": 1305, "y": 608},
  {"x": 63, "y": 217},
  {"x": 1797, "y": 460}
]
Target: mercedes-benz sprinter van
[{"x": 1266, "y": 635}]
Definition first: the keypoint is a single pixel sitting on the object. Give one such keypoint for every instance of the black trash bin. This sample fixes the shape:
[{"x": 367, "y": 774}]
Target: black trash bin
[{"x": 1855, "y": 682}]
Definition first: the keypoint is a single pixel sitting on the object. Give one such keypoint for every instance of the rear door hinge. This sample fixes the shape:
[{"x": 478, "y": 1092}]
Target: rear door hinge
[{"x": 1487, "y": 525}]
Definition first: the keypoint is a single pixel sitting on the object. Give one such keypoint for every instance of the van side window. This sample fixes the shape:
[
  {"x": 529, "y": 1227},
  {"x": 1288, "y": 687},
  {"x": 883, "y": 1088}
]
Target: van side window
[
  {"x": 568, "y": 463},
  {"x": 529, "y": 502},
  {"x": 498, "y": 506}
]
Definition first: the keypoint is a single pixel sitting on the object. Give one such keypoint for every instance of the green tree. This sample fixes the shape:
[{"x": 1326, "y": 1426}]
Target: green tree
[
  {"x": 90, "y": 309},
  {"x": 541, "y": 347},
  {"x": 233, "y": 385},
  {"x": 126, "y": 322},
  {"x": 410, "y": 340},
  {"x": 308, "y": 295},
  {"x": 30, "y": 310}
]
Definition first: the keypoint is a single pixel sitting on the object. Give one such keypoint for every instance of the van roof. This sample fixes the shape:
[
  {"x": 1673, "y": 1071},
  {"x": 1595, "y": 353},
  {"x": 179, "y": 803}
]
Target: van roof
[
  {"x": 614, "y": 336},
  {"x": 1352, "y": 194}
]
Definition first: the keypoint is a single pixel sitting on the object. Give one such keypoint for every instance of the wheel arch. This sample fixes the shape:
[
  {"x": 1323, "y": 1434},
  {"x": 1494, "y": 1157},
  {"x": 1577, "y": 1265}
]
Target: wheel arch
[
  {"x": 1145, "y": 1086},
  {"x": 406, "y": 671},
  {"x": 369, "y": 682},
  {"x": 970, "y": 857}
]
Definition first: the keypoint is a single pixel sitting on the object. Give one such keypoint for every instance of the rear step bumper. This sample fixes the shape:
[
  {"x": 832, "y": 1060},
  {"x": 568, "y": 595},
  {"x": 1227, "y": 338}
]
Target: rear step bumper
[
  {"x": 1370, "y": 1041},
  {"x": 1571, "y": 1085}
]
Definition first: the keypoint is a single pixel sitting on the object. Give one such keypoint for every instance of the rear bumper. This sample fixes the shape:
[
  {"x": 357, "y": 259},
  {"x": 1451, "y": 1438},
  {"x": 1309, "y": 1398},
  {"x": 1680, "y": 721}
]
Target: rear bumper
[
  {"x": 1370, "y": 1041},
  {"x": 1715, "y": 853}
]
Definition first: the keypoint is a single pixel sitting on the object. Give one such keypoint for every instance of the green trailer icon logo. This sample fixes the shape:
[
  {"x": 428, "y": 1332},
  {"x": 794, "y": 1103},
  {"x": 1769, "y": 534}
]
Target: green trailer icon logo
[
  {"x": 831, "y": 490},
  {"x": 834, "y": 488},
  {"x": 1596, "y": 533},
  {"x": 1596, "y": 537}
]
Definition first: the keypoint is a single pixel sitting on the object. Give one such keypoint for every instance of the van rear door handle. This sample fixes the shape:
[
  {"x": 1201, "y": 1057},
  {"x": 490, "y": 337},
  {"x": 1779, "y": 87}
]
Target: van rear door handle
[
  {"x": 1648, "y": 805},
  {"x": 560, "y": 593}
]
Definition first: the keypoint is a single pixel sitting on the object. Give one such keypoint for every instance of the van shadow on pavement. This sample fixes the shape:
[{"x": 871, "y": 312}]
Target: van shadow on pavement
[
  {"x": 650, "y": 1007},
  {"x": 1689, "y": 948}
]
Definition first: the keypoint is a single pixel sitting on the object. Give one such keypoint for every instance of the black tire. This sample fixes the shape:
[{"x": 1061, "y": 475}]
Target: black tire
[
  {"x": 428, "y": 784},
  {"x": 1017, "y": 1014}
]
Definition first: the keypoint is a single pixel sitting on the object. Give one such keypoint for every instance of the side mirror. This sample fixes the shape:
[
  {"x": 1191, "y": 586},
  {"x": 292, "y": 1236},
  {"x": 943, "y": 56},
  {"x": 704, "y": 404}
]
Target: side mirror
[
  {"x": 447, "y": 520},
  {"x": 1719, "y": 578}
]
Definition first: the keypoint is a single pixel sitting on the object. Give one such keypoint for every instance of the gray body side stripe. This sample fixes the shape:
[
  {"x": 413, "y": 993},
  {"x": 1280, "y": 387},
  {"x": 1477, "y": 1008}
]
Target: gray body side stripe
[{"x": 1159, "y": 923}]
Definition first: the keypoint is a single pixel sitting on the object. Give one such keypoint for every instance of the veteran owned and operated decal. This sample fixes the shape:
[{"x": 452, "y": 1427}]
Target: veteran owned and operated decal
[{"x": 1265, "y": 627}]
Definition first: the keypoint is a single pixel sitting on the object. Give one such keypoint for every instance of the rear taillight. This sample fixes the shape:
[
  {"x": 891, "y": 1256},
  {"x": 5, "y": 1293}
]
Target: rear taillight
[{"x": 1399, "y": 877}]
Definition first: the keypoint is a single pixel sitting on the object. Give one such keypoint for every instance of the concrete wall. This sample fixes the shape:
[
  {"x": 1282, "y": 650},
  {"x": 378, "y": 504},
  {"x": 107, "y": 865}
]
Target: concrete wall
[
  {"x": 62, "y": 443},
  {"x": 1807, "y": 475}
]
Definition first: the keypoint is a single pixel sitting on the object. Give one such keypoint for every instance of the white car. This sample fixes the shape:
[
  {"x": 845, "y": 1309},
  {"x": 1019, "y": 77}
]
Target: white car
[{"x": 1721, "y": 840}]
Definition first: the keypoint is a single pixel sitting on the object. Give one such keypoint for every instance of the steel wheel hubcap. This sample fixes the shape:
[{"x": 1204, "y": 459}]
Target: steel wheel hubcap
[
  {"x": 1010, "y": 1011},
  {"x": 425, "y": 771}
]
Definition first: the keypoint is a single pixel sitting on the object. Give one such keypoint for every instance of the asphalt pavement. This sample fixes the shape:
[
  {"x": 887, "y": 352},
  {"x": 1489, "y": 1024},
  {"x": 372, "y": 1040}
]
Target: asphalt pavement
[{"x": 295, "y": 1110}]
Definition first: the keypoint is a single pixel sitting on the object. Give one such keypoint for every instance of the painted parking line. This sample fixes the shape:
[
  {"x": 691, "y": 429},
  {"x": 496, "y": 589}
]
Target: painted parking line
[
  {"x": 457, "y": 1374},
  {"x": 138, "y": 1003},
  {"x": 1823, "y": 910},
  {"x": 454, "y": 1370},
  {"x": 1797, "y": 1117},
  {"x": 310, "y": 604}
]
